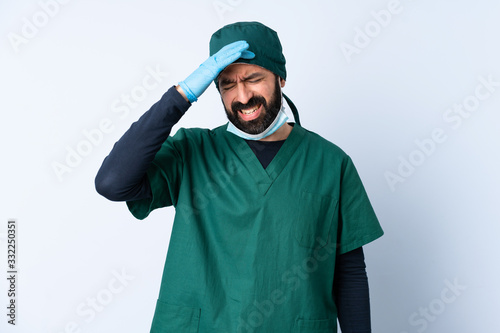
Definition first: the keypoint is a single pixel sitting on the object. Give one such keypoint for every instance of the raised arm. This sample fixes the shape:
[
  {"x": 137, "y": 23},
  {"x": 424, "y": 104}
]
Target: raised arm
[{"x": 122, "y": 176}]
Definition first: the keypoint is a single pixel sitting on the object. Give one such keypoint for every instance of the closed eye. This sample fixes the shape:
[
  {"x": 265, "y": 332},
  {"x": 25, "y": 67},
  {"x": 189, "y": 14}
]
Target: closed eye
[
  {"x": 255, "y": 81},
  {"x": 229, "y": 86}
]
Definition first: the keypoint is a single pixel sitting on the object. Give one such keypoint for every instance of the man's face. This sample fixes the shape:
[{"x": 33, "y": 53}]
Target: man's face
[{"x": 251, "y": 96}]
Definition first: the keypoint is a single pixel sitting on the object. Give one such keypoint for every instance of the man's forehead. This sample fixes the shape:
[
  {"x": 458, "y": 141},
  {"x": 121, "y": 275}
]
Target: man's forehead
[{"x": 243, "y": 70}]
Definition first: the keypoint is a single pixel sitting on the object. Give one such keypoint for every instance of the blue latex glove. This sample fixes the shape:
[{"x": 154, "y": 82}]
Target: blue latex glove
[{"x": 200, "y": 79}]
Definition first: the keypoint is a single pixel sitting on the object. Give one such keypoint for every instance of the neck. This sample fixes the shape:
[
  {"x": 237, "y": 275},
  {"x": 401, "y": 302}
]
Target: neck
[{"x": 281, "y": 133}]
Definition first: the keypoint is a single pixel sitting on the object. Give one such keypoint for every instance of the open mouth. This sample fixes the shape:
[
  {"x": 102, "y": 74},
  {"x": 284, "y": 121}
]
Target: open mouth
[
  {"x": 250, "y": 111},
  {"x": 250, "y": 114}
]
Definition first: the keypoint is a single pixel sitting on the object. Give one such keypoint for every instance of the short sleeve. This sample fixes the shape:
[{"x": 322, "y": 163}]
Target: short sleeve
[
  {"x": 164, "y": 176},
  {"x": 358, "y": 223}
]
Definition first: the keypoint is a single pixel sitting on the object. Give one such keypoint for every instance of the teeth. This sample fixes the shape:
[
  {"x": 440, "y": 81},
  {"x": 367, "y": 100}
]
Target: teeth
[{"x": 250, "y": 111}]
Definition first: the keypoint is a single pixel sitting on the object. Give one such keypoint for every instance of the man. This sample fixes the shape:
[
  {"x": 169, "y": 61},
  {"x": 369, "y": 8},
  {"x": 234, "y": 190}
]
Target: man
[{"x": 270, "y": 218}]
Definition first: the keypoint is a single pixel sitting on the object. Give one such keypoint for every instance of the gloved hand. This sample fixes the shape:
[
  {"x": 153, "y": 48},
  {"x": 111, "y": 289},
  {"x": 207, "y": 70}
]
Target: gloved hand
[{"x": 200, "y": 79}]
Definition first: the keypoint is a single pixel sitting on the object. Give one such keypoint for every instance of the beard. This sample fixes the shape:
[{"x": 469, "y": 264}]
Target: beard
[{"x": 260, "y": 124}]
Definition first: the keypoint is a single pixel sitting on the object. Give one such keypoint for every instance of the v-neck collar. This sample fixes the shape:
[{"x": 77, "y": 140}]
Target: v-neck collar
[{"x": 264, "y": 178}]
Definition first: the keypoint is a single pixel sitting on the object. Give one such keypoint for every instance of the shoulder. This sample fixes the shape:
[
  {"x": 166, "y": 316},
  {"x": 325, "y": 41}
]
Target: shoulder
[
  {"x": 323, "y": 146},
  {"x": 196, "y": 133},
  {"x": 194, "y": 139}
]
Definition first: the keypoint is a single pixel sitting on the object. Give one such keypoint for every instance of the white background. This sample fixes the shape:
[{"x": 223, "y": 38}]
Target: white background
[{"x": 69, "y": 72}]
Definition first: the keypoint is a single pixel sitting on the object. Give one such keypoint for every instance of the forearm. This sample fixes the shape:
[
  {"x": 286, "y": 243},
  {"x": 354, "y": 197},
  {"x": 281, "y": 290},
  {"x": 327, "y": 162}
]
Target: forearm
[
  {"x": 122, "y": 175},
  {"x": 351, "y": 293}
]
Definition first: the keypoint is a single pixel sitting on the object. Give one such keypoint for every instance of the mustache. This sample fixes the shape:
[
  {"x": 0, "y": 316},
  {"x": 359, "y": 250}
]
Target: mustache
[{"x": 254, "y": 101}]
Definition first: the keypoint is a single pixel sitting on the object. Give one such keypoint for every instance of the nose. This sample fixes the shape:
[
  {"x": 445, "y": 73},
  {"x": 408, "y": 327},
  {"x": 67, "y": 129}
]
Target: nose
[{"x": 243, "y": 94}]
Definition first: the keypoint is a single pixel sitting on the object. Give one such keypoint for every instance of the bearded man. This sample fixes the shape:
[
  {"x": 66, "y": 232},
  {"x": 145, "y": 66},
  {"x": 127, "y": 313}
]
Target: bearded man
[{"x": 270, "y": 217}]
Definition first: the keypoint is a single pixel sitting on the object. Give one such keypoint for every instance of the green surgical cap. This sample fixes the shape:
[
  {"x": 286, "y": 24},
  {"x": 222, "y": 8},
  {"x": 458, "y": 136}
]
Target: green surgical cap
[{"x": 263, "y": 41}]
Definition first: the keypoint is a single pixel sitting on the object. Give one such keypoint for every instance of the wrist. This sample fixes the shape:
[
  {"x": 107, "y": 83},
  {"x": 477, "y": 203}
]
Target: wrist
[
  {"x": 188, "y": 93},
  {"x": 183, "y": 94}
]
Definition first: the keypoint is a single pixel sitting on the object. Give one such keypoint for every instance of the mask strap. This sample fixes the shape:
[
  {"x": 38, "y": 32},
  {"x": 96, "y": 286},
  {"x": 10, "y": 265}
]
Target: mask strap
[{"x": 294, "y": 109}]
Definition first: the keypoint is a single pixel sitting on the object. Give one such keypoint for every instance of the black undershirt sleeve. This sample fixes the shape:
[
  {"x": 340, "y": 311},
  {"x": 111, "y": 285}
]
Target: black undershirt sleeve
[
  {"x": 122, "y": 176},
  {"x": 351, "y": 293}
]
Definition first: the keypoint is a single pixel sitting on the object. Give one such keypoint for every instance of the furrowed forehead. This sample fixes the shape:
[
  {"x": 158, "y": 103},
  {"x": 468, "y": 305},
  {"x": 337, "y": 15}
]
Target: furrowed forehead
[{"x": 244, "y": 71}]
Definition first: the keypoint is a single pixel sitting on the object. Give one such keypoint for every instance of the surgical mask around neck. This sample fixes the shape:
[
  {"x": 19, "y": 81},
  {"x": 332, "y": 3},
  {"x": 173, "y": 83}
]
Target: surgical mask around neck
[{"x": 280, "y": 119}]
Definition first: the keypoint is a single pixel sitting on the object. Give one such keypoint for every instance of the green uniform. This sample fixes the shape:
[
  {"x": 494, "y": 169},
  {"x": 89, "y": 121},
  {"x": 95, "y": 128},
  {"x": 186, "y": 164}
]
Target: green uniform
[{"x": 254, "y": 249}]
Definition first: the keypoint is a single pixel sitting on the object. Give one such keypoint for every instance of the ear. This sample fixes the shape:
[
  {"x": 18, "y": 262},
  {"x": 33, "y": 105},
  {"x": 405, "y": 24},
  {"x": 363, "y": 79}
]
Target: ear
[{"x": 282, "y": 82}]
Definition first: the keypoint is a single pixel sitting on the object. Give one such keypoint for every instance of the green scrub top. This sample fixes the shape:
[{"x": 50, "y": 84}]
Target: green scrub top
[{"x": 254, "y": 249}]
